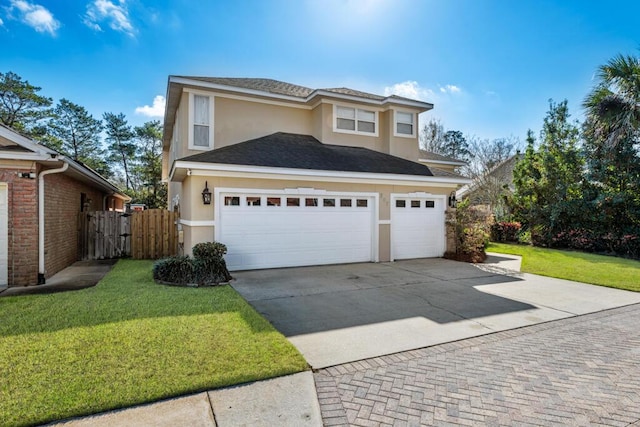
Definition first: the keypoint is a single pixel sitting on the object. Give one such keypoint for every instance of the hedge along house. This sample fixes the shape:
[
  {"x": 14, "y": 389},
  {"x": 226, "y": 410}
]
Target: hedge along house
[
  {"x": 286, "y": 175},
  {"x": 41, "y": 194}
]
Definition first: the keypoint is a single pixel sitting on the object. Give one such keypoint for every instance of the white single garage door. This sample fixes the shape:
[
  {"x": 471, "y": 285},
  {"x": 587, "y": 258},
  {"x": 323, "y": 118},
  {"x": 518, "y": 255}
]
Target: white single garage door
[
  {"x": 286, "y": 230},
  {"x": 4, "y": 251},
  {"x": 417, "y": 227}
]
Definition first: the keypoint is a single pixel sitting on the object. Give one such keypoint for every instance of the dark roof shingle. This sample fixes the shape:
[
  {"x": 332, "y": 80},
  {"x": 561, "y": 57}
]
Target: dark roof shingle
[{"x": 287, "y": 150}]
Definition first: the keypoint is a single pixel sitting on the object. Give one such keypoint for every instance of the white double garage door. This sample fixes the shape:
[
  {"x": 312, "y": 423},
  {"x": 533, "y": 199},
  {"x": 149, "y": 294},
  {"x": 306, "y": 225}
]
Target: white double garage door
[{"x": 287, "y": 229}]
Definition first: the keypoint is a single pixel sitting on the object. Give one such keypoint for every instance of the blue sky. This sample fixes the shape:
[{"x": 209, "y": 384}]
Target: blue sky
[{"x": 489, "y": 67}]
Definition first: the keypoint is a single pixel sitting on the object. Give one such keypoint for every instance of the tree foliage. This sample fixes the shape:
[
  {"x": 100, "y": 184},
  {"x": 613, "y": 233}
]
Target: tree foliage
[
  {"x": 432, "y": 136},
  {"x": 148, "y": 168},
  {"x": 455, "y": 145},
  {"x": 491, "y": 172},
  {"x": 611, "y": 144},
  {"x": 21, "y": 108},
  {"x": 548, "y": 180},
  {"x": 77, "y": 135},
  {"x": 121, "y": 148}
]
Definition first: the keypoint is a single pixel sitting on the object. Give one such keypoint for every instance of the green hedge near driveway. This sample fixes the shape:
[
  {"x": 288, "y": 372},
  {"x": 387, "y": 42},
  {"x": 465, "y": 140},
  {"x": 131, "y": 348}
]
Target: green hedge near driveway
[
  {"x": 128, "y": 341},
  {"x": 583, "y": 267}
]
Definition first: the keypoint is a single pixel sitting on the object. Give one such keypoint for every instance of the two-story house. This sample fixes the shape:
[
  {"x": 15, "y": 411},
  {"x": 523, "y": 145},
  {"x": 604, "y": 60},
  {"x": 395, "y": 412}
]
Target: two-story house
[{"x": 286, "y": 175}]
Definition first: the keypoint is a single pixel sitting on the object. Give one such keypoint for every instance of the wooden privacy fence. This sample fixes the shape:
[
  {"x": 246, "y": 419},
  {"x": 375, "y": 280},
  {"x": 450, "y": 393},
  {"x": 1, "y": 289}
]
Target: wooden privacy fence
[
  {"x": 154, "y": 234},
  {"x": 149, "y": 234},
  {"x": 103, "y": 234}
]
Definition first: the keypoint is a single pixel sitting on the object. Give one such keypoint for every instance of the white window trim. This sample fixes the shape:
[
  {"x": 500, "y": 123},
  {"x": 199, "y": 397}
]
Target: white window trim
[
  {"x": 395, "y": 124},
  {"x": 191, "y": 121},
  {"x": 376, "y": 122}
]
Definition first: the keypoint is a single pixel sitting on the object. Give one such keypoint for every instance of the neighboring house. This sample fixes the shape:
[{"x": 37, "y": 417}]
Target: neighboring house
[
  {"x": 286, "y": 175},
  {"x": 489, "y": 189},
  {"x": 41, "y": 194}
]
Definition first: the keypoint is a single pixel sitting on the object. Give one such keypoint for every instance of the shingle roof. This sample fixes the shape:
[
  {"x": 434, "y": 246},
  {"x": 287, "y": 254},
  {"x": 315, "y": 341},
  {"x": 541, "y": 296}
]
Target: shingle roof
[
  {"x": 265, "y": 85},
  {"x": 352, "y": 92},
  {"x": 289, "y": 89},
  {"x": 444, "y": 173},
  {"x": 287, "y": 150},
  {"x": 430, "y": 155}
]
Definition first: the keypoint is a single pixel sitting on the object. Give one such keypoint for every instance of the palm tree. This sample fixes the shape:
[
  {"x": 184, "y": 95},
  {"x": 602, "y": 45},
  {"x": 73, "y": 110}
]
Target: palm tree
[{"x": 613, "y": 106}]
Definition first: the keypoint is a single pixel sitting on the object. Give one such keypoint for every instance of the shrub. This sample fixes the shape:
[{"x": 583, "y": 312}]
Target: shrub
[
  {"x": 209, "y": 250},
  {"x": 505, "y": 231},
  {"x": 177, "y": 269},
  {"x": 524, "y": 237},
  {"x": 206, "y": 268},
  {"x": 626, "y": 245},
  {"x": 471, "y": 233}
]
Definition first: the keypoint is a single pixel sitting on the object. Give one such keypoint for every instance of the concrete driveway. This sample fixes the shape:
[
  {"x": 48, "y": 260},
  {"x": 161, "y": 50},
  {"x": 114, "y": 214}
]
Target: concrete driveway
[{"x": 344, "y": 313}]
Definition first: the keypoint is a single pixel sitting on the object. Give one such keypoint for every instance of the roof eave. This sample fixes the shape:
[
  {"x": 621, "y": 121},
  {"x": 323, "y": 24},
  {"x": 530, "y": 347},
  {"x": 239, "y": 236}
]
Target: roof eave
[
  {"x": 443, "y": 162},
  {"x": 183, "y": 168}
]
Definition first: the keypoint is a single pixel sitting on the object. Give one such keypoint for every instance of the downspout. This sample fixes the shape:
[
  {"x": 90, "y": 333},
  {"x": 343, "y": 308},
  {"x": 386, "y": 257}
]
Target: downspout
[{"x": 41, "y": 270}]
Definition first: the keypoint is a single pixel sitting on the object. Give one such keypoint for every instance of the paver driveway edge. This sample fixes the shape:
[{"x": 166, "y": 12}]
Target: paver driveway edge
[{"x": 584, "y": 374}]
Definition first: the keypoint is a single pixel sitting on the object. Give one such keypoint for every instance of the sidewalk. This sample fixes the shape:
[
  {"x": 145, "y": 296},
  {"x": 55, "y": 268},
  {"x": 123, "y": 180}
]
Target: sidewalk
[
  {"x": 284, "y": 401},
  {"x": 79, "y": 275}
]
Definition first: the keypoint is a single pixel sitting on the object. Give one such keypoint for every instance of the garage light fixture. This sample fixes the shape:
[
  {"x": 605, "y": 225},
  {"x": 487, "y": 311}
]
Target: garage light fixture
[
  {"x": 452, "y": 200},
  {"x": 206, "y": 194}
]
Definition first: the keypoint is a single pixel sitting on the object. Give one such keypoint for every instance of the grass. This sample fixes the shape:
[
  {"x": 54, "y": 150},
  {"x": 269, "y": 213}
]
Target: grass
[
  {"x": 128, "y": 341},
  {"x": 583, "y": 267}
]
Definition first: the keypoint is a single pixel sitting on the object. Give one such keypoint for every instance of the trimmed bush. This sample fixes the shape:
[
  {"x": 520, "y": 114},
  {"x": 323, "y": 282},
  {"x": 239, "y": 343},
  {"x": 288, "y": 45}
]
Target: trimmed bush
[
  {"x": 177, "y": 269},
  {"x": 206, "y": 268}
]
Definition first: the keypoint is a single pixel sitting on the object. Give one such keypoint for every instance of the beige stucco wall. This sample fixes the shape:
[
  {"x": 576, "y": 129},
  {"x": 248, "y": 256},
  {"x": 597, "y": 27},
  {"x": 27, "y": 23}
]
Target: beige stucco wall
[
  {"x": 238, "y": 120},
  {"x": 195, "y": 210}
]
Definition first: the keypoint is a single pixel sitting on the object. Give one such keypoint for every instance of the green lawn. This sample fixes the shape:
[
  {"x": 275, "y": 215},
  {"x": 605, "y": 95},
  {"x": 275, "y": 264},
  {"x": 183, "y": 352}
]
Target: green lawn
[
  {"x": 127, "y": 341},
  {"x": 579, "y": 266}
]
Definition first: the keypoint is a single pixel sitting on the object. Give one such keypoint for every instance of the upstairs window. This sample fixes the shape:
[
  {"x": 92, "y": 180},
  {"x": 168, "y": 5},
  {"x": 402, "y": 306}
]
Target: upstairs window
[
  {"x": 201, "y": 131},
  {"x": 356, "y": 120},
  {"x": 404, "y": 124}
]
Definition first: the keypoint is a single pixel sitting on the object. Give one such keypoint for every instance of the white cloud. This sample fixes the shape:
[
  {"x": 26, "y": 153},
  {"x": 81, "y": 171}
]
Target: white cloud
[
  {"x": 450, "y": 89},
  {"x": 410, "y": 89},
  {"x": 36, "y": 16},
  {"x": 1, "y": 22},
  {"x": 106, "y": 11},
  {"x": 156, "y": 110}
]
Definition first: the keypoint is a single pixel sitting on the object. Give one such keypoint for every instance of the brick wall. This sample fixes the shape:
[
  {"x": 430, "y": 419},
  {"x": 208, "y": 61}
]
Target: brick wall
[
  {"x": 62, "y": 205},
  {"x": 23, "y": 227}
]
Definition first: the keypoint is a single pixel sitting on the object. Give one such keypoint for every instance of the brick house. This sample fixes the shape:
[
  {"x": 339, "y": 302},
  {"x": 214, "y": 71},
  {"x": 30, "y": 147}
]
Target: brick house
[{"x": 41, "y": 194}]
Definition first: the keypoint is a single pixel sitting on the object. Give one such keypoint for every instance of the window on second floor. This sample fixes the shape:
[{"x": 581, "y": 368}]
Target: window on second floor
[
  {"x": 201, "y": 132},
  {"x": 404, "y": 125},
  {"x": 356, "y": 120}
]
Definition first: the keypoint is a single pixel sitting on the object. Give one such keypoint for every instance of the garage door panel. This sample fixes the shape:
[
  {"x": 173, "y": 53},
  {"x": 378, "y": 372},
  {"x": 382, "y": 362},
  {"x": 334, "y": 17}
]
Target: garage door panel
[
  {"x": 418, "y": 232},
  {"x": 282, "y": 236}
]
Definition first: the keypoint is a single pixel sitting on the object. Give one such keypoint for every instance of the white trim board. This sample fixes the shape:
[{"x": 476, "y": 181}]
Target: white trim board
[{"x": 241, "y": 171}]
